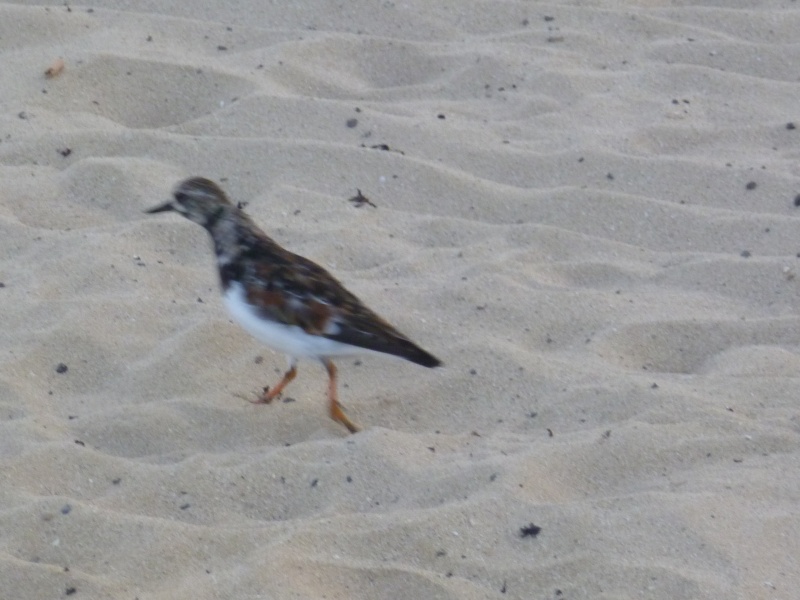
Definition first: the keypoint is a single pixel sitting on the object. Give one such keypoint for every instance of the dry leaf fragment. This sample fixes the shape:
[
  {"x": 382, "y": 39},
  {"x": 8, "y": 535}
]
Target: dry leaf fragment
[{"x": 55, "y": 69}]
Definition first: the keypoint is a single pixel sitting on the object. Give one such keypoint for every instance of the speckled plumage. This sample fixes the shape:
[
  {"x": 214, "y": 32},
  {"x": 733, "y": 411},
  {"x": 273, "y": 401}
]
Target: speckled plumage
[{"x": 285, "y": 300}]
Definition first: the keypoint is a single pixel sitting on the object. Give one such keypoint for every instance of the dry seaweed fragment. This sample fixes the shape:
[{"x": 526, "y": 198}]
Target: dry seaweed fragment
[
  {"x": 360, "y": 200},
  {"x": 529, "y": 530}
]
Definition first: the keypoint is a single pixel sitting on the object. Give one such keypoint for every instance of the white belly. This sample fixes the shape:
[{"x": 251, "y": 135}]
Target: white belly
[{"x": 289, "y": 339}]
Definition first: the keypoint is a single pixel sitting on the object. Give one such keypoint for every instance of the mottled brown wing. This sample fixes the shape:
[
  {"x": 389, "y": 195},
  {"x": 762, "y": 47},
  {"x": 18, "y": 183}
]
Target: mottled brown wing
[{"x": 296, "y": 291}]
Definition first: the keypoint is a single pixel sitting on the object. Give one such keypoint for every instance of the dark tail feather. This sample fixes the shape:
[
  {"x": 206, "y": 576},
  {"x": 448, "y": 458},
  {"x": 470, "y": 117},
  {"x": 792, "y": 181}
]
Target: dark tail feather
[
  {"x": 387, "y": 340},
  {"x": 417, "y": 355}
]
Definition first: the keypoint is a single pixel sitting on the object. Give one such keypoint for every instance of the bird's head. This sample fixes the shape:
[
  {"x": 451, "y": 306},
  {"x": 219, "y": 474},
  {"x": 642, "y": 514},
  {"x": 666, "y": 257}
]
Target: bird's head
[{"x": 198, "y": 199}]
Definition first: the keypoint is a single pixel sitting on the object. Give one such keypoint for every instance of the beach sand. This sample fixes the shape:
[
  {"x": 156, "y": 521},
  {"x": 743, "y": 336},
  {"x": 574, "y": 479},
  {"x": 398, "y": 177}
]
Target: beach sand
[{"x": 587, "y": 210}]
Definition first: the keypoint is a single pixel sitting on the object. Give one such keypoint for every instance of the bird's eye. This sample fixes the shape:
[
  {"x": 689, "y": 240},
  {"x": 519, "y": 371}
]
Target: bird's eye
[{"x": 180, "y": 196}]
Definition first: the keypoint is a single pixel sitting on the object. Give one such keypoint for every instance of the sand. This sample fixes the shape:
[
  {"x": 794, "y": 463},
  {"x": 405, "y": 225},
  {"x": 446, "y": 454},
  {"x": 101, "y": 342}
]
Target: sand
[{"x": 587, "y": 210}]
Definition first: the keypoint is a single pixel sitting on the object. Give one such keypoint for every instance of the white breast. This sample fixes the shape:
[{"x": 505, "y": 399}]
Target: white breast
[{"x": 289, "y": 339}]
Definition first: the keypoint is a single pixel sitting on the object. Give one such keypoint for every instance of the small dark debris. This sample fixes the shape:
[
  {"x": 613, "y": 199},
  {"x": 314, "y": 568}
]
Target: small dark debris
[
  {"x": 473, "y": 372},
  {"x": 314, "y": 483},
  {"x": 241, "y": 205},
  {"x": 351, "y": 123},
  {"x": 258, "y": 359},
  {"x": 432, "y": 448},
  {"x": 384, "y": 147},
  {"x": 607, "y": 434},
  {"x": 116, "y": 481},
  {"x": 532, "y": 414},
  {"x": 288, "y": 399},
  {"x": 738, "y": 460},
  {"x": 441, "y": 116},
  {"x": 61, "y": 368},
  {"x": 22, "y": 115},
  {"x": 503, "y": 589},
  {"x": 2, "y": 285},
  {"x": 548, "y": 18},
  {"x": 222, "y": 48},
  {"x": 80, "y": 443},
  {"x": 746, "y": 254},
  {"x": 555, "y": 38},
  {"x": 440, "y": 553},
  {"x": 654, "y": 386},
  {"x": 199, "y": 300},
  {"x": 610, "y": 176},
  {"x": 72, "y": 417},
  {"x": 549, "y": 432},
  {"x": 69, "y": 591},
  {"x": 797, "y": 200},
  {"x": 65, "y": 152},
  {"x": 751, "y": 185},
  {"x": 349, "y": 479},
  {"x": 790, "y": 126},
  {"x": 360, "y": 200},
  {"x": 185, "y": 506},
  {"x": 529, "y": 530}
]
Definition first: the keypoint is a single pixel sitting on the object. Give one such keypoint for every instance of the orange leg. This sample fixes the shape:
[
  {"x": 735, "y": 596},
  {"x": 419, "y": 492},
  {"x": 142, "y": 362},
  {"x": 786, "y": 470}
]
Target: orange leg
[
  {"x": 270, "y": 394},
  {"x": 336, "y": 412}
]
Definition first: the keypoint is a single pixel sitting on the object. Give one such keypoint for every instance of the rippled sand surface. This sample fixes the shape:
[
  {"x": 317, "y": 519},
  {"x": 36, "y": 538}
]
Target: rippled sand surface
[{"x": 588, "y": 210}]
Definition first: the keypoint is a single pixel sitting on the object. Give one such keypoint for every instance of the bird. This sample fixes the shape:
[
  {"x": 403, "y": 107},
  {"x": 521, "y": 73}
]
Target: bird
[{"x": 285, "y": 300}]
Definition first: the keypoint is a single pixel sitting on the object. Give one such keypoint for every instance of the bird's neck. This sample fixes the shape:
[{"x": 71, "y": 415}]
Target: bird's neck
[{"x": 227, "y": 240}]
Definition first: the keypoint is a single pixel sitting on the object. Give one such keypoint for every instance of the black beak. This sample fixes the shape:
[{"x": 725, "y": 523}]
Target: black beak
[{"x": 161, "y": 208}]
